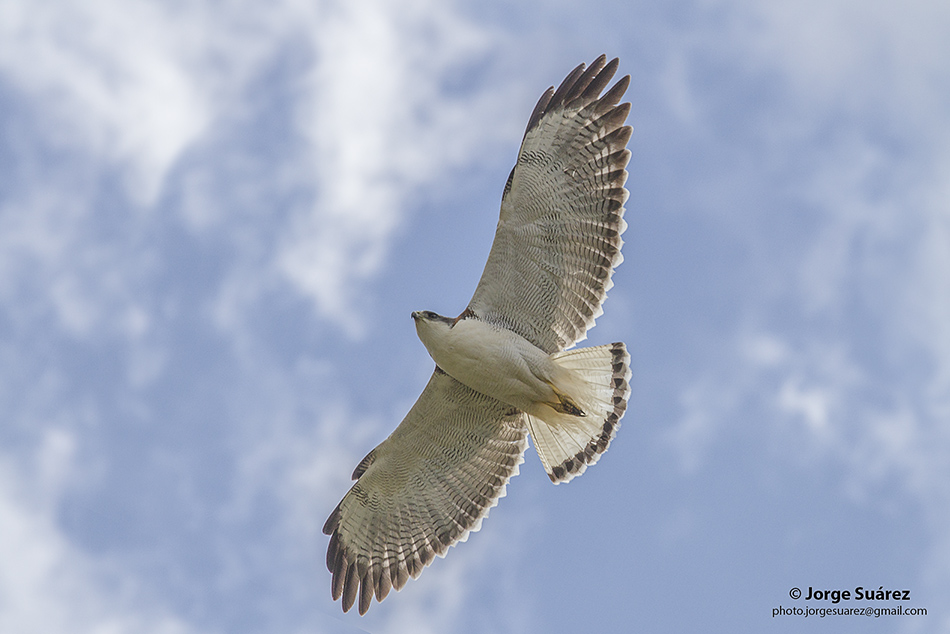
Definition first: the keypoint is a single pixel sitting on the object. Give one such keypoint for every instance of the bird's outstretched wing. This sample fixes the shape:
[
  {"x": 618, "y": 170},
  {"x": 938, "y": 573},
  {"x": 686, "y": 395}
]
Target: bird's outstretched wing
[
  {"x": 422, "y": 490},
  {"x": 558, "y": 237}
]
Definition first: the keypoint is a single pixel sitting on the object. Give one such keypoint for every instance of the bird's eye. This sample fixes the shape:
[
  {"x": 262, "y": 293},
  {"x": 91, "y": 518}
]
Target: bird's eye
[{"x": 429, "y": 314}]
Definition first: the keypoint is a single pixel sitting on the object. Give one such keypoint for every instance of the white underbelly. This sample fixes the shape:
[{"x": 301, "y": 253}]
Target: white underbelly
[{"x": 496, "y": 362}]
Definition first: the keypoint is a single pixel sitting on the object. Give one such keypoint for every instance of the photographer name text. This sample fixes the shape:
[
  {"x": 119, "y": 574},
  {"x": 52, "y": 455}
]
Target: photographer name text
[{"x": 860, "y": 593}]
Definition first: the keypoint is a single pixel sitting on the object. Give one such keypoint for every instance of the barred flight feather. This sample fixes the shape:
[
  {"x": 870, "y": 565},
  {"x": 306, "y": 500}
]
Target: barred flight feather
[
  {"x": 558, "y": 237},
  {"x": 422, "y": 492}
]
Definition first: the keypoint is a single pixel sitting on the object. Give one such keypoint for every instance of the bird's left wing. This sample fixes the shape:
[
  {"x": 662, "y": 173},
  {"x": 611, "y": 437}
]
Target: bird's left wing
[{"x": 423, "y": 489}]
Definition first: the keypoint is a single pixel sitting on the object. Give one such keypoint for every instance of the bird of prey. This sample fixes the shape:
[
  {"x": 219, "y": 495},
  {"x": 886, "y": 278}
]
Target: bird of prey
[{"x": 504, "y": 367}]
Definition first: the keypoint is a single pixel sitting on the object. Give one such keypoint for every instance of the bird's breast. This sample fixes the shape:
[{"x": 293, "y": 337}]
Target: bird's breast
[{"x": 494, "y": 361}]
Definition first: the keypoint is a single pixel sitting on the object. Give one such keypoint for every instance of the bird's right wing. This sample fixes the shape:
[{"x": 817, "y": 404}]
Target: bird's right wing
[
  {"x": 423, "y": 489},
  {"x": 558, "y": 237}
]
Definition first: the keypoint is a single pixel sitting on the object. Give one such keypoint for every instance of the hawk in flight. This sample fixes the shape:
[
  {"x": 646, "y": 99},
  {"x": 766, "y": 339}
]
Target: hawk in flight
[{"x": 503, "y": 368}]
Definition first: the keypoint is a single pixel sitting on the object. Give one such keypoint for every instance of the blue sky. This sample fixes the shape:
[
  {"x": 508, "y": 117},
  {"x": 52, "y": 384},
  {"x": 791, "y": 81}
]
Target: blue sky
[{"x": 216, "y": 217}]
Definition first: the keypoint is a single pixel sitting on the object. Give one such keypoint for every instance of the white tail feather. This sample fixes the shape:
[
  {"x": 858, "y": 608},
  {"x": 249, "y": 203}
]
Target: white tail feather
[{"x": 597, "y": 381}]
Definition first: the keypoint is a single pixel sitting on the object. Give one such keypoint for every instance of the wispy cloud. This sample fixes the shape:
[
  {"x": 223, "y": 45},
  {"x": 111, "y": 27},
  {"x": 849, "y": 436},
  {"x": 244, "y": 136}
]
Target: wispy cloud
[
  {"x": 113, "y": 78},
  {"x": 157, "y": 204},
  {"x": 382, "y": 124},
  {"x": 874, "y": 240},
  {"x": 844, "y": 340},
  {"x": 141, "y": 233},
  {"x": 140, "y": 84},
  {"x": 46, "y": 583}
]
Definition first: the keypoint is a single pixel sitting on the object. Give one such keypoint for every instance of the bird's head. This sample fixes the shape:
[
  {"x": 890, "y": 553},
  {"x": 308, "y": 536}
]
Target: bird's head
[
  {"x": 430, "y": 324},
  {"x": 429, "y": 317}
]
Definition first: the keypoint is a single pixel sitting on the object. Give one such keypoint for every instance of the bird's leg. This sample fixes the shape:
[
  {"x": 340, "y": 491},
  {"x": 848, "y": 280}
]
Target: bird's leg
[{"x": 565, "y": 404}]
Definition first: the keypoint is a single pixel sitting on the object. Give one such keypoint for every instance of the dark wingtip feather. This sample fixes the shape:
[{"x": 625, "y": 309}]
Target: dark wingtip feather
[
  {"x": 619, "y": 137},
  {"x": 590, "y": 76},
  {"x": 383, "y": 584},
  {"x": 557, "y": 99},
  {"x": 581, "y": 87},
  {"x": 600, "y": 81},
  {"x": 332, "y": 522},
  {"x": 333, "y": 553},
  {"x": 366, "y": 593},
  {"x": 539, "y": 109},
  {"x": 350, "y": 587},
  {"x": 339, "y": 579},
  {"x": 613, "y": 96},
  {"x": 401, "y": 578}
]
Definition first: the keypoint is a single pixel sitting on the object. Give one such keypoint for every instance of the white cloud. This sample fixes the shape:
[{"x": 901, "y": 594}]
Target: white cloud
[
  {"x": 111, "y": 77},
  {"x": 127, "y": 89},
  {"x": 875, "y": 191},
  {"x": 52, "y": 265},
  {"x": 706, "y": 406},
  {"x": 882, "y": 250},
  {"x": 46, "y": 584},
  {"x": 853, "y": 370},
  {"x": 382, "y": 125},
  {"x": 811, "y": 403},
  {"x": 112, "y": 88},
  {"x": 876, "y": 57},
  {"x": 130, "y": 86},
  {"x": 131, "y": 92}
]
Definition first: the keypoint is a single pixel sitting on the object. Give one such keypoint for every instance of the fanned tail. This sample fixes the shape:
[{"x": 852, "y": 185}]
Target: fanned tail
[{"x": 595, "y": 383}]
